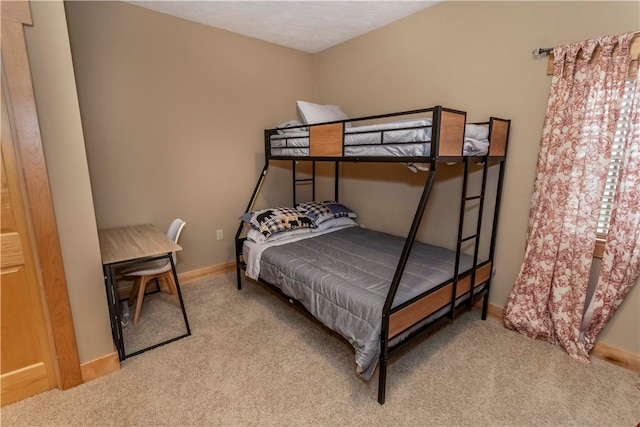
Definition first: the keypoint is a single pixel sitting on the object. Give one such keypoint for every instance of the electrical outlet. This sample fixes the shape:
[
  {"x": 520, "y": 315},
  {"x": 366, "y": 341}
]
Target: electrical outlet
[{"x": 219, "y": 234}]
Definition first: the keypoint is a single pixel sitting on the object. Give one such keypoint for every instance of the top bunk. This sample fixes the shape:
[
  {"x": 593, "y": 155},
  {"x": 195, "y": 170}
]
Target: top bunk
[{"x": 427, "y": 135}]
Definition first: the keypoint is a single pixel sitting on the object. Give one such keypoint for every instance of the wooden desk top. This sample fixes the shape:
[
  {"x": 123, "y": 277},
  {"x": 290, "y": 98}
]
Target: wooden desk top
[{"x": 133, "y": 242}]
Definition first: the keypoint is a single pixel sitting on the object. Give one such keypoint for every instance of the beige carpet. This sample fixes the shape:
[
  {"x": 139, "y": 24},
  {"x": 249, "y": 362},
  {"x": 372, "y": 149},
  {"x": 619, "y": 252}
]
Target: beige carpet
[{"x": 254, "y": 359}]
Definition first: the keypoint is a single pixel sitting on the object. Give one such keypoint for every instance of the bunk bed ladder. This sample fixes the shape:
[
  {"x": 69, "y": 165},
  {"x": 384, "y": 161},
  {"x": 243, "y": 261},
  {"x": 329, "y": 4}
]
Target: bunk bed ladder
[
  {"x": 476, "y": 237},
  {"x": 301, "y": 181}
]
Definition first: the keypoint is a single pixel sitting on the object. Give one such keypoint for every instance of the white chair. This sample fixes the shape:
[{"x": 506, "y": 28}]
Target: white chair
[{"x": 144, "y": 273}]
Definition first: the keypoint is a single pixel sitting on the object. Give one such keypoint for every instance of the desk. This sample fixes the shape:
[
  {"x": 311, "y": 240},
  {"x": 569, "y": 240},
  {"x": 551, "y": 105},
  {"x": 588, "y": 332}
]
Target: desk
[{"x": 123, "y": 246}]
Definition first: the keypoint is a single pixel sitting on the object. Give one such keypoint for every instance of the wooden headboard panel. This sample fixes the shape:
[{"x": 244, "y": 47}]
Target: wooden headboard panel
[{"x": 326, "y": 140}]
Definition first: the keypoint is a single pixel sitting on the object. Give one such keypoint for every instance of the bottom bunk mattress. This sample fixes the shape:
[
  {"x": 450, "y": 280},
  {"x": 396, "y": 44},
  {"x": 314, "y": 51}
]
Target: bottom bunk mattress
[{"x": 342, "y": 278}]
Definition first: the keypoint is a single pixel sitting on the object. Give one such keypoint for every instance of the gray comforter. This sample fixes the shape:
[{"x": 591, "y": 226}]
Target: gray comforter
[{"x": 342, "y": 278}]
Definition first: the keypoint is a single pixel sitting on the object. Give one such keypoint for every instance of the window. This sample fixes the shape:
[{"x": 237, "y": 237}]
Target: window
[{"x": 617, "y": 151}]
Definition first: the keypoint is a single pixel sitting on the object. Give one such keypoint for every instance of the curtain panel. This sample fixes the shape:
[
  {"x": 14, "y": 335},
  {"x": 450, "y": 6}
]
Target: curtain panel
[{"x": 548, "y": 298}]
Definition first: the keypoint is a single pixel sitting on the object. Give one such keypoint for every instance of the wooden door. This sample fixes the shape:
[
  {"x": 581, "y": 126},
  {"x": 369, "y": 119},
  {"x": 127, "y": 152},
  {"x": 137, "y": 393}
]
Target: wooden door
[
  {"x": 38, "y": 345},
  {"x": 26, "y": 352}
]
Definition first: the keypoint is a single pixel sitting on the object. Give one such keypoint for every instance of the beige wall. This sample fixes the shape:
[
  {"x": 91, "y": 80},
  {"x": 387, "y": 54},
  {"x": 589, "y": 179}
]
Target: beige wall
[
  {"x": 173, "y": 114},
  {"x": 62, "y": 139},
  {"x": 473, "y": 56}
]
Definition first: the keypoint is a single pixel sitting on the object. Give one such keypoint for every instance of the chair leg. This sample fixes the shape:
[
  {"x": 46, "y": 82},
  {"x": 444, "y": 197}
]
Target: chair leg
[
  {"x": 171, "y": 283},
  {"x": 134, "y": 291},
  {"x": 142, "y": 285}
]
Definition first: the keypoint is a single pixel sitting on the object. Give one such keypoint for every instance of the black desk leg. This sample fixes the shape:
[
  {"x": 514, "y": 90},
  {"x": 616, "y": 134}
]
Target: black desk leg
[
  {"x": 114, "y": 314},
  {"x": 184, "y": 311}
]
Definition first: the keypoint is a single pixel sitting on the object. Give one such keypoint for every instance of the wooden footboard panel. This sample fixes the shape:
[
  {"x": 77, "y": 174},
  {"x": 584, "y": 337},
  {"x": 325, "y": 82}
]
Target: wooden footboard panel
[
  {"x": 417, "y": 311},
  {"x": 451, "y": 133},
  {"x": 499, "y": 135}
]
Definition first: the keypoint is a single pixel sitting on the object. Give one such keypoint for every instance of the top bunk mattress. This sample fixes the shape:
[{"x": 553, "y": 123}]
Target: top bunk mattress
[{"x": 405, "y": 138}]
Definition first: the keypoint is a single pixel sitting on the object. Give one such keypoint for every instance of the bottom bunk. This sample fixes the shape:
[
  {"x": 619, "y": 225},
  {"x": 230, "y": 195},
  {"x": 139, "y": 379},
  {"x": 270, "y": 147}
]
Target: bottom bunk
[{"x": 341, "y": 274}]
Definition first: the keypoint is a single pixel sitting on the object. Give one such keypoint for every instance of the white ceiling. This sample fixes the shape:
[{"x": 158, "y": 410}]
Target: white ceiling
[{"x": 309, "y": 26}]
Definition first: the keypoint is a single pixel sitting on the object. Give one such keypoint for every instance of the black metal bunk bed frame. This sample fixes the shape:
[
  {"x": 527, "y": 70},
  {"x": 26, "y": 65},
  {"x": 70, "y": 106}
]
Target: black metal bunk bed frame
[{"x": 445, "y": 148}]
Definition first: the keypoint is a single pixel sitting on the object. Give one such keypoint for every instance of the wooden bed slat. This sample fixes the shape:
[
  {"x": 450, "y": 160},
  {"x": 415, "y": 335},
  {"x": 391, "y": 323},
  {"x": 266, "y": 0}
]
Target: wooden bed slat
[
  {"x": 326, "y": 140},
  {"x": 451, "y": 134},
  {"x": 414, "y": 313},
  {"x": 410, "y": 315}
]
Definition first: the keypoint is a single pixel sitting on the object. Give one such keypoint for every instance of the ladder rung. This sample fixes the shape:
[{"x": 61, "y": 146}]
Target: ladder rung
[
  {"x": 304, "y": 180},
  {"x": 473, "y": 198},
  {"x": 468, "y": 238}
]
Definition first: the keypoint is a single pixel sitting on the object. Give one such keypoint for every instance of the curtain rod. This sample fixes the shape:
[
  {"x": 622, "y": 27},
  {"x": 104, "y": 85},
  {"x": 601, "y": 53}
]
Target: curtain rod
[
  {"x": 542, "y": 51},
  {"x": 547, "y": 50}
]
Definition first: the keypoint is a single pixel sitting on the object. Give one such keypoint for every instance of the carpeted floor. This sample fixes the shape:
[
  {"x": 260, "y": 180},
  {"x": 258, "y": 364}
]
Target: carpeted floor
[{"x": 253, "y": 359}]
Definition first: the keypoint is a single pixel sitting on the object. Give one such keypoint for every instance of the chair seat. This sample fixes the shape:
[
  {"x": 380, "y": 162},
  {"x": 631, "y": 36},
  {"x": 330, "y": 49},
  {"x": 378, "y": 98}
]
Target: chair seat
[{"x": 148, "y": 268}]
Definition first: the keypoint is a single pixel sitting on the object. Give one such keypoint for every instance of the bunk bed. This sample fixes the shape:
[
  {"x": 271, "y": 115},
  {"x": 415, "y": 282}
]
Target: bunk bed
[{"x": 377, "y": 290}]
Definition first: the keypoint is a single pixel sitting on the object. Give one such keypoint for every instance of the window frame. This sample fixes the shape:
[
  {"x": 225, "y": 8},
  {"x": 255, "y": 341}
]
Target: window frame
[{"x": 614, "y": 166}]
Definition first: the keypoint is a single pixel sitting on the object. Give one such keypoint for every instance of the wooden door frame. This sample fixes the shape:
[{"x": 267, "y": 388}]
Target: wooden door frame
[{"x": 21, "y": 100}]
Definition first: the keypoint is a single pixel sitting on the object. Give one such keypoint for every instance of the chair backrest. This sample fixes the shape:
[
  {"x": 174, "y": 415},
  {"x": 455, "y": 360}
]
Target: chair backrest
[{"x": 174, "y": 232}]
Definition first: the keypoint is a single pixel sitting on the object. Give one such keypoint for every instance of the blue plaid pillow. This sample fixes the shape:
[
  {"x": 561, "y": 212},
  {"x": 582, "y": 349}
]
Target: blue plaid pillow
[
  {"x": 275, "y": 220},
  {"x": 322, "y": 211}
]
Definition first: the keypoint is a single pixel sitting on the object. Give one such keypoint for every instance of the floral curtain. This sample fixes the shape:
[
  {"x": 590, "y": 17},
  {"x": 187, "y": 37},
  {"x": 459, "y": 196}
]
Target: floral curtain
[{"x": 548, "y": 298}]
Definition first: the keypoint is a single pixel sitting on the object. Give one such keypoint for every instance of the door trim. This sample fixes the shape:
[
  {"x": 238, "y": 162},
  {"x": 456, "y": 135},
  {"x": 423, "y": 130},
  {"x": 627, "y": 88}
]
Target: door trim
[{"x": 21, "y": 100}]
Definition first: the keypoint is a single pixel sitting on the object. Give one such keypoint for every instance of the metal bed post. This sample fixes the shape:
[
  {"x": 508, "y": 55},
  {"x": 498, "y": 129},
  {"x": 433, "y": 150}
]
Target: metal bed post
[
  {"x": 252, "y": 200},
  {"x": 263, "y": 174},
  {"x": 294, "y": 181},
  {"x": 485, "y": 301},
  {"x": 384, "y": 334},
  {"x": 404, "y": 257},
  {"x": 335, "y": 189},
  {"x": 496, "y": 215}
]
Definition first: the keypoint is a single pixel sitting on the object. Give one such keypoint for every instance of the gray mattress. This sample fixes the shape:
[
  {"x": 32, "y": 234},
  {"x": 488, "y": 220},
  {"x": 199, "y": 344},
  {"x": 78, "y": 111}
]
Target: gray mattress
[{"x": 342, "y": 278}]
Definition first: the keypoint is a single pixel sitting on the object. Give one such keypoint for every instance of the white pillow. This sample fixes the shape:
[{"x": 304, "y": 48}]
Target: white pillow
[
  {"x": 334, "y": 222},
  {"x": 256, "y": 236},
  {"x": 315, "y": 113}
]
